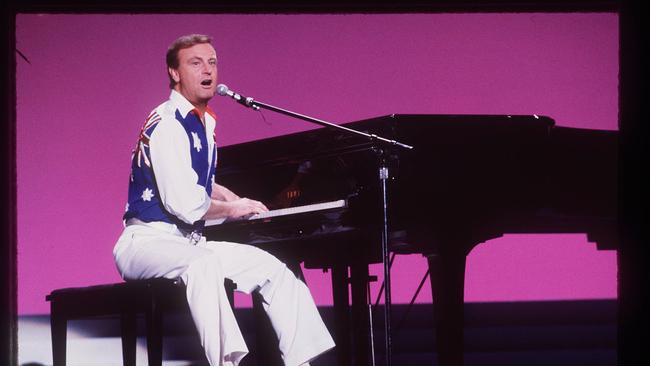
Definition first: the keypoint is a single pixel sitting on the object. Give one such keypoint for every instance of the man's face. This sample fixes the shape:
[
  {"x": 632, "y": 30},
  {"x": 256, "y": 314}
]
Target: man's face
[{"x": 196, "y": 76}]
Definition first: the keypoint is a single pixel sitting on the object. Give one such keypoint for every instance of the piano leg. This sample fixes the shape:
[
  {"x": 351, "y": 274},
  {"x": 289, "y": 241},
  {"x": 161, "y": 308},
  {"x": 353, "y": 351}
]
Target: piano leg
[
  {"x": 359, "y": 277},
  {"x": 341, "y": 299},
  {"x": 447, "y": 274},
  {"x": 352, "y": 332}
]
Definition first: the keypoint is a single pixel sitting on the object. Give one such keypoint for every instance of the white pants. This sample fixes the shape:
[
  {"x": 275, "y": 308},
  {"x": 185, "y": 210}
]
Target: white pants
[{"x": 160, "y": 250}]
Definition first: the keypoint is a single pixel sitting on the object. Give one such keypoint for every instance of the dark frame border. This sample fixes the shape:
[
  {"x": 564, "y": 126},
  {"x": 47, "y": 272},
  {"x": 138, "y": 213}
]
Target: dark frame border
[
  {"x": 320, "y": 6},
  {"x": 634, "y": 154}
]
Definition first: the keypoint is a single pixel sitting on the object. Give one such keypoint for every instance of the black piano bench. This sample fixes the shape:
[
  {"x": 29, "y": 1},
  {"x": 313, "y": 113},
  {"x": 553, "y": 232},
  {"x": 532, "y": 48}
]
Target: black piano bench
[{"x": 124, "y": 300}]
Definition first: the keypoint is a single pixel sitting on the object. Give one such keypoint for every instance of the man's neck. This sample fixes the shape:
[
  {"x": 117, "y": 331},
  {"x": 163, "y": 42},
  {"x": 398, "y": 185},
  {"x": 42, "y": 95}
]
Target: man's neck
[{"x": 201, "y": 107}]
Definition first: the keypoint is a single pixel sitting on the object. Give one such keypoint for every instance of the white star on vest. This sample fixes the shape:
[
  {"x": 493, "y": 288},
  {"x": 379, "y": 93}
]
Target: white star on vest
[
  {"x": 147, "y": 194},
  {"x": 197, "y": 142}
]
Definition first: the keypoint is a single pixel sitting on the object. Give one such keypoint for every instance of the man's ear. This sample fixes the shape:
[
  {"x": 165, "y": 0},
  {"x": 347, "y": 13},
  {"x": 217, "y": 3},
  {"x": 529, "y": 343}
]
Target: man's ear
[{"x": 174, "y": 74}]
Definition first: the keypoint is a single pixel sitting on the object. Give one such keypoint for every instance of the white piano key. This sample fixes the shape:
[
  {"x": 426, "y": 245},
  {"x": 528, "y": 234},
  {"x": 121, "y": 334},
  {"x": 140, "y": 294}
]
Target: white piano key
[{"x": 284, "y": 212}]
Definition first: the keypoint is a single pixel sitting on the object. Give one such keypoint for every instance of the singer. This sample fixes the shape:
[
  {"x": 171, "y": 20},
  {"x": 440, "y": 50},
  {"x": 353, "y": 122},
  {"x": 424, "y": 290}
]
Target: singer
[{"x": 172, "y": 192}]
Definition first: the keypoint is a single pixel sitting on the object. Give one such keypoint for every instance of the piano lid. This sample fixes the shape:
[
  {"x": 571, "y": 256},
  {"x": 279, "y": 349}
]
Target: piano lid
[{"x": 407, "y": 128}]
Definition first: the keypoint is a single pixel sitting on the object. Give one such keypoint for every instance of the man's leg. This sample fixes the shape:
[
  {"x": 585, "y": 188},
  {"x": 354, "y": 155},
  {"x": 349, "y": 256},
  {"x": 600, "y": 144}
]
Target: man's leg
[
  {"x": 291, "y": 309},
  {"x": 146, "y": 253}
]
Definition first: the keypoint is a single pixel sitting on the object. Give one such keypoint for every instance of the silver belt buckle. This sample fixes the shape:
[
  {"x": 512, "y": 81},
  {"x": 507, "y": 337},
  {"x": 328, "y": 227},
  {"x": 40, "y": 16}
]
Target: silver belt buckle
[{"x": 194, "y": 237}]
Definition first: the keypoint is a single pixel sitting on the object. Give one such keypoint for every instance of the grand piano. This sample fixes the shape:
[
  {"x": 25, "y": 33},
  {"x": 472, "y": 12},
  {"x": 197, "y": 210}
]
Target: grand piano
[{"x": 469, "y": 178}]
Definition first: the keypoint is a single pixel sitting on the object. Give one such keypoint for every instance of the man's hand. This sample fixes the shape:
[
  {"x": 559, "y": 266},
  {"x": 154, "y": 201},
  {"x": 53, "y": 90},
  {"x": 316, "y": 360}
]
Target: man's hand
[
  {"x": 239, "y": 208},
  {"x": 244, "y": 207}
]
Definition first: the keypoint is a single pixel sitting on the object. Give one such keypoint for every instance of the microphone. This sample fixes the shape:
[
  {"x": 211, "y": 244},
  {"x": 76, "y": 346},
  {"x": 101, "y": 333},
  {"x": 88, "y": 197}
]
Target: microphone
[{"x": 223, "y": 90}]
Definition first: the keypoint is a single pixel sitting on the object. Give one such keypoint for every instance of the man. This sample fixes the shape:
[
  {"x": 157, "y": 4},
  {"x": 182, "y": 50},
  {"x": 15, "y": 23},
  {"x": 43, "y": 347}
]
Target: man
[{"x": 172, "y": 191}]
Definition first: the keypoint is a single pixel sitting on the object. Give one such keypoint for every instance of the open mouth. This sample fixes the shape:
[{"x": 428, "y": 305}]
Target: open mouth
[{"x": 206, "y": 82}]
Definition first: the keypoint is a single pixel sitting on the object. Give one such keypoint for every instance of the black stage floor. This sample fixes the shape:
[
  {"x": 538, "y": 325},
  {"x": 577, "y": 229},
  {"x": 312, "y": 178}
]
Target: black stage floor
[{"x": 503, "y": 333}]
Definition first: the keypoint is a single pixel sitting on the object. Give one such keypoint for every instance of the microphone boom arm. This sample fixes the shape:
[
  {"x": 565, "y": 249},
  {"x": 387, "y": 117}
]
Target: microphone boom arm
[
  {"x": 370, "y": 136},
  {"x": 256, "y": 105}
]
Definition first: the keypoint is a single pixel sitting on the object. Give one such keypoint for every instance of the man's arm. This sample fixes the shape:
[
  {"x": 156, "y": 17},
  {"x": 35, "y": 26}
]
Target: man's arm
[
  {"x": 175, "y": 179},
  {"x": 221, "y": 193},
  {"x": 225, "y": 203}
]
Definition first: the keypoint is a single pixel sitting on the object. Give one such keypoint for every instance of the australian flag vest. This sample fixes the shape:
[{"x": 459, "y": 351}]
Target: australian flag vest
[{"x": 144, "y": 200}]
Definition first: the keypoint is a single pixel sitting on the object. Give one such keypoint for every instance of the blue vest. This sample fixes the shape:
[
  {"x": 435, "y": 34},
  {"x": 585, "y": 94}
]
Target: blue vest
[{"x": 144, "y": 201}]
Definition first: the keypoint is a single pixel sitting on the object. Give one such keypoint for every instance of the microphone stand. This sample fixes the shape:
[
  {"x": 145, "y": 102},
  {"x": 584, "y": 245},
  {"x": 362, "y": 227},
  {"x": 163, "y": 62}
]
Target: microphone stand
[{"x": 383, "y": 175}]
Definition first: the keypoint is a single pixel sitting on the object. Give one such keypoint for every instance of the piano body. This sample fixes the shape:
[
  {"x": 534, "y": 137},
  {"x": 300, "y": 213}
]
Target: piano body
[{"x": 469, "y": 178}]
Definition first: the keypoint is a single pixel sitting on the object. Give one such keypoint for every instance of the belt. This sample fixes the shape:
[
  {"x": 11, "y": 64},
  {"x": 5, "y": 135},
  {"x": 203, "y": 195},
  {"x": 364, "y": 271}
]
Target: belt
[{"x": 194, "y": 236}]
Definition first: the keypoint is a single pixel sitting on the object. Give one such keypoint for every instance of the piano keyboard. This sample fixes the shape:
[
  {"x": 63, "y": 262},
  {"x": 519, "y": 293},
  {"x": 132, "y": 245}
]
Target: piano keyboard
[{"x": 283, "y": 212}]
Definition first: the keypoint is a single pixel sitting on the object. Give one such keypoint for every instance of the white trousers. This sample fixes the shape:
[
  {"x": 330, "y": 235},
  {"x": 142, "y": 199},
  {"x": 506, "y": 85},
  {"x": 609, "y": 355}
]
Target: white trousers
[{"x": 160, "y": 250}]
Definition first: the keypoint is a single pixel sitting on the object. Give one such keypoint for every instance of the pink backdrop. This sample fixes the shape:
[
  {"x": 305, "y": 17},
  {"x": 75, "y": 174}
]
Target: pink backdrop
[{"x": 92, "y": 79}]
